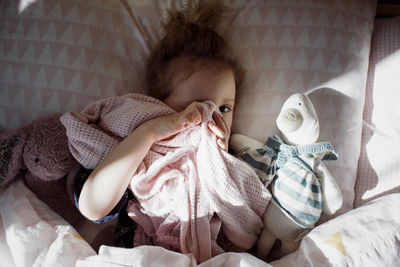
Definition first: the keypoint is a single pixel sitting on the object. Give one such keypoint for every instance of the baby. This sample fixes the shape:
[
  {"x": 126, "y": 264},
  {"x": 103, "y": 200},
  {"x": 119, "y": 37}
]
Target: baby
[
  {"x": 196, "y": 202},
  {"x": 189, "y": 65}
]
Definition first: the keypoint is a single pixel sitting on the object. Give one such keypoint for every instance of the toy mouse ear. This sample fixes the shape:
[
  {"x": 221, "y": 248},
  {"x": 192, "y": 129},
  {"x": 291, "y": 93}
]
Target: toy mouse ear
[{"x": 11, "y": 148}]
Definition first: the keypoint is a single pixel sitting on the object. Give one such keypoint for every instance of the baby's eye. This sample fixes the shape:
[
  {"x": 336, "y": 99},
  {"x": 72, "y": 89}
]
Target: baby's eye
[{"x": 224, "y": 109}]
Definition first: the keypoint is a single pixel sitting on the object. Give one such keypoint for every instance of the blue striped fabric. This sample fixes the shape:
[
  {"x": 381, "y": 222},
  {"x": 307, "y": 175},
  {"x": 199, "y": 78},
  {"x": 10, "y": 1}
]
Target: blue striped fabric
[
  {"x": 298, "y": 191},
  {"x": 291, "y": 179},
  {"x": 262, "y": 161}
]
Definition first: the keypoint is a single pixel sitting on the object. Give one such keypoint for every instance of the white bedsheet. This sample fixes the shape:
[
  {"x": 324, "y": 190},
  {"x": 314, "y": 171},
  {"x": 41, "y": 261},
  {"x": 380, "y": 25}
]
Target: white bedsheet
[
  {"x": 152, "y": 256},
  {"x": 33, "y": 235},
  {"x": 367, "y": 236}
]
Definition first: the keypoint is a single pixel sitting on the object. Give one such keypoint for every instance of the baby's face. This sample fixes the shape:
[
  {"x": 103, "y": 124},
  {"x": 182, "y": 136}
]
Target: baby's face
[{"x": 217, "y": 85}]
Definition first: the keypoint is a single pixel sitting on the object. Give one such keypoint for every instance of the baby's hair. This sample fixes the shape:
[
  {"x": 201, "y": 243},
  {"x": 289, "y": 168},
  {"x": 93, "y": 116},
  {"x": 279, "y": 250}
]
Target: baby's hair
[{"x": 191, "y": 42}]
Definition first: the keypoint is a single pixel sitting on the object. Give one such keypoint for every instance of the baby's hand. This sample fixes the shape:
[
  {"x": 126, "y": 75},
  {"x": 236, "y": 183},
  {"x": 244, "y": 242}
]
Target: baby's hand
[
  {"x": 220, "y": 129},
  {"x": 166, "y": 127}
]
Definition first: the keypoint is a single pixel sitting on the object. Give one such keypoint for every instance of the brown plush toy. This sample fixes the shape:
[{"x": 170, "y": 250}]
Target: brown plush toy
[{"x": 39, "y": 152}]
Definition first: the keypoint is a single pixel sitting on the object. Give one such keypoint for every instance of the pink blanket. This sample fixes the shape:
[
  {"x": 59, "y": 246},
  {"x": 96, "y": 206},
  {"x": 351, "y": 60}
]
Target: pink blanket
[{"x": 189, "y": 192}]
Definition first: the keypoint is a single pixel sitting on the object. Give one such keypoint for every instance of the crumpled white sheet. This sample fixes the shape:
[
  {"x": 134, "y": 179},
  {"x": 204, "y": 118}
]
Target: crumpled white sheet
[
  {"x": 367, "y": 236},
  {"x": 31, "y": 234},
  {"x": 153, "y": 256}
]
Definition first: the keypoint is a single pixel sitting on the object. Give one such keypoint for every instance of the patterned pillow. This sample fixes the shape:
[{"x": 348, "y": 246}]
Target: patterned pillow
[
  {"x": 379, "y": 164},
  {"x": 61, "y": 55},
  {"x": 321, "y": 47}
]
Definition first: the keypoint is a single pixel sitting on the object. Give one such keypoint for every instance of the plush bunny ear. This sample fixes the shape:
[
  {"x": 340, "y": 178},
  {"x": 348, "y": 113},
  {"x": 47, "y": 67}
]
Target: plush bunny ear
[{"x": 11, "y": 148}]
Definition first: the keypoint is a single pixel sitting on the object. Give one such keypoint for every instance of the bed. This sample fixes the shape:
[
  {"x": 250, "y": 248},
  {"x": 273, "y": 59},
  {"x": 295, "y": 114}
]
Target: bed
[{"x": 57, "y": 56}]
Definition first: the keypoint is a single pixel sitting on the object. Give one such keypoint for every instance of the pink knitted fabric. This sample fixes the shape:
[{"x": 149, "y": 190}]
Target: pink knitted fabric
[{"x": 187, "y": 189}]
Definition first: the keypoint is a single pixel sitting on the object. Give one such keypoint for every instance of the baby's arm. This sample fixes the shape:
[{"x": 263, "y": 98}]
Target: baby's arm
[
  {"x": 109, "y": 180},
  {"x": 240, "y": 142}
]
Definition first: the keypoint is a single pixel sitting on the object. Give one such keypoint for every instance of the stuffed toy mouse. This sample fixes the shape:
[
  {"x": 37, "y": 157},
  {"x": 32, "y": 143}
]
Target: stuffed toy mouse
[
  {"x": 290, "y": 164},
  {"x": 39, "y": 152}
]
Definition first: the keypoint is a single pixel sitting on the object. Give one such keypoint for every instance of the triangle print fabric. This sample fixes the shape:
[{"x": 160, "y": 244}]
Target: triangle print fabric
[
  {"x": 306, "y": 46},
  {"x": 62, "y": 55}
]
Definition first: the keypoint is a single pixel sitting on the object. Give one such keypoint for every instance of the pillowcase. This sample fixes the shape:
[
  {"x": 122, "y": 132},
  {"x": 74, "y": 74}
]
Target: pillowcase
[
  {"x": 379, "y": 164},
  {"x": 62, "y": 55},
  {"x": 57, "y": 56},
  {"x": 319, "y": 47}
]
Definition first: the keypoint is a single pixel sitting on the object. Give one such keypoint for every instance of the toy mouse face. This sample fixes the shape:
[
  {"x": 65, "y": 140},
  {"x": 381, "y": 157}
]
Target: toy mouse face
[{"x": 298, "y": 121}]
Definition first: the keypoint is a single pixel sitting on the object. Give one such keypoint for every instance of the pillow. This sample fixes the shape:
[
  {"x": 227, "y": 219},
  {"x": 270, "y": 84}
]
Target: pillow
[
  {"x": 319, "y": 47},
  {"x": 61, "y": 55},
  {"x": 379, "y": 164},
  {"x": 286, "y": 47},
  {"x": 57, "y": 56}
]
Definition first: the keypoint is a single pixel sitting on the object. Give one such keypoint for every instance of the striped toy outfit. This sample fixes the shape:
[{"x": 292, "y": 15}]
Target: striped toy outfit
[{"x": 288, "y": 171}]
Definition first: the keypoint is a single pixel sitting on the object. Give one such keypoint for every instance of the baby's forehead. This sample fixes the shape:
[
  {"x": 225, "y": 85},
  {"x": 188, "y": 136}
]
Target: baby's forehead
[
  {"x": 215, "y": 84},
  {"x": 185, "y": 67}
]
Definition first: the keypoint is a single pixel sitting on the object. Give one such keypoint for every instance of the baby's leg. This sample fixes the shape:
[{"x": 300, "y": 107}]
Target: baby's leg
[
  {"x": 286, "y": 248},
  {"x": 264, "y": 244}
]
